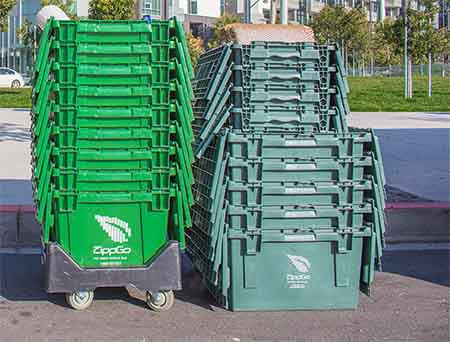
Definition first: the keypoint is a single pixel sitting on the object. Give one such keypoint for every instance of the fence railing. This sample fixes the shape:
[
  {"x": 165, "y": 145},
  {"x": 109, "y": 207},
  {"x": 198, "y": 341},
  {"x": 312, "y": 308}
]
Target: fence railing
[{"x": 438, "y": 69}]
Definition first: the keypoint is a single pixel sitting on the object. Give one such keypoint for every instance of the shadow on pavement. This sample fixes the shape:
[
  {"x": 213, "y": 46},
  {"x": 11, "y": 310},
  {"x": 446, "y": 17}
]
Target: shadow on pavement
[
  {"x": 16, "y": 191},
  {"x": 14, "y": 132},
  {"x": 431, "y": 266},
  {"x": 22, "y": 279}
]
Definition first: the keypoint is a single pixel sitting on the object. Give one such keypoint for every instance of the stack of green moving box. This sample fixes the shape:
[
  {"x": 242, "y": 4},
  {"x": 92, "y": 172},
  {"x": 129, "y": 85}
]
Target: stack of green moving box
[
  {"x": 289, "y": 201},
  {"x": 112, "y": 139}
]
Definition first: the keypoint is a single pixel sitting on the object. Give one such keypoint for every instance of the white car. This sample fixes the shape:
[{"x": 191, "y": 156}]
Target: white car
[{"x": 10, "y": 78}]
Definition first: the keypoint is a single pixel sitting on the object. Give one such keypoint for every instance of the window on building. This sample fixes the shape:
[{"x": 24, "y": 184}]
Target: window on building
[
  {"x": 156, "y": 7},
  {"x": 193, "y": 7},
  {"x": 151, "y": 7},
  {"x": 292, "y": 15}
]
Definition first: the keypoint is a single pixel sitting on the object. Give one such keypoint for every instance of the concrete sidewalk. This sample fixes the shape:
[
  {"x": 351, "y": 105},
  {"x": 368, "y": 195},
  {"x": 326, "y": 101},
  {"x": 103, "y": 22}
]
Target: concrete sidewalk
[
  {"x": 399, "y": 120},
  {"x": 415, "y": 149}
]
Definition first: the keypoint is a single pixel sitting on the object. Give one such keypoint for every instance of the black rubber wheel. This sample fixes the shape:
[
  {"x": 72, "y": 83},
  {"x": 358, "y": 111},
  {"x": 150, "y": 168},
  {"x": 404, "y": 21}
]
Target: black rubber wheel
[
  {"x": 160, "y": 301},
  {"x": 15, "y": 84},
  {"x": 80, "y": 300}
]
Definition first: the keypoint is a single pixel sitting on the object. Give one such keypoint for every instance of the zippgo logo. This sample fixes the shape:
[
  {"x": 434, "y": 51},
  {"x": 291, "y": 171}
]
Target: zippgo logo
[
  {"x": 118, "y": 231},
  {"x": 301, "y": 263},
  {"x": 303, "y": 267}
]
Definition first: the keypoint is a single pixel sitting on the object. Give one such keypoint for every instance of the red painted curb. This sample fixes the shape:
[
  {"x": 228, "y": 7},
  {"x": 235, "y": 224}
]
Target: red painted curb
[
  {"x": 417, "y": 205},
  {"x": 389, "y": 206},
  {"x": 16, "y": 208}
]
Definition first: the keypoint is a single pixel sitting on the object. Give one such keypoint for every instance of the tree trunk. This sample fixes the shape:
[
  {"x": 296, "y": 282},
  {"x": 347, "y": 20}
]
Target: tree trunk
[
  {"x": 363, "y": 69},
  {"x": 410, "y": 78},
  {"x": 345, "y": 58},
  {"x": 371, "y": 65},
  {"x": 430, "y": 75},
  {"x": 353, "y": 63}
]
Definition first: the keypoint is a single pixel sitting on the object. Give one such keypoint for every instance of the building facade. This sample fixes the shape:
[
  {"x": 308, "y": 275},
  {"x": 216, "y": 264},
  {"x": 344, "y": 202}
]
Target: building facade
[
  {"x": 302, "y": 10},
  {"x": 197, "y": 16},
  {"x": 13, "y": 53}
]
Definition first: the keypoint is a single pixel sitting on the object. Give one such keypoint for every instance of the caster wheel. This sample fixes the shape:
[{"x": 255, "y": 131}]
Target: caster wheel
[
  {"x": 160, "y": 301},
  {"x": 80, "y": 300}
]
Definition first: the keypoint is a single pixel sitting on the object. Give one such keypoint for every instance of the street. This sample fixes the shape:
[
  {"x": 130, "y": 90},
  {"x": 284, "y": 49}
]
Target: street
[{"x": 410, "y": 302}]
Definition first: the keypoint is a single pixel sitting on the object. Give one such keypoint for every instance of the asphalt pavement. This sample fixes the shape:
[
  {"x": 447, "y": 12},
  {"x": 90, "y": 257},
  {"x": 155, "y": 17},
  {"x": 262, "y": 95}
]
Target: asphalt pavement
[{"x": 410, "y": 302}]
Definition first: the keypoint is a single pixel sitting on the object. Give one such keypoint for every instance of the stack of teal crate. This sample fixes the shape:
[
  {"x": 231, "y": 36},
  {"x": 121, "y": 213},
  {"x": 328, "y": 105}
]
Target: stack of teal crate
[
  {"x": 289, "y": 201},
  {"x": 112, "y": 139}
]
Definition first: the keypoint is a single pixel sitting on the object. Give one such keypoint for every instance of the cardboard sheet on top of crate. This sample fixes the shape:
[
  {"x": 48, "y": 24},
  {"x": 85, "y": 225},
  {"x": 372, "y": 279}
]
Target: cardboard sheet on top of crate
[{"x": 247, "y": 33}]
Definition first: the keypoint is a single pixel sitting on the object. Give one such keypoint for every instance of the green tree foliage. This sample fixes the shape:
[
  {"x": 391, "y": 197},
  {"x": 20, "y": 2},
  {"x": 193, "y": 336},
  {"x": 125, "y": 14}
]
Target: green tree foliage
[
  {"x": 329, "y": 24},
  {"x": 346, "y": 27},
  {"x": 25, "y": 33},
  {"x": 196, "y": 48},
  {"x": 384, "y": 47},
  {"x": 423, "y": 37},
  {"x": 5, "y": 7},
  {"x": 222, "y": 33},
  {"x": 112, "y": 9},
  {"x": 68, "y": 6}
]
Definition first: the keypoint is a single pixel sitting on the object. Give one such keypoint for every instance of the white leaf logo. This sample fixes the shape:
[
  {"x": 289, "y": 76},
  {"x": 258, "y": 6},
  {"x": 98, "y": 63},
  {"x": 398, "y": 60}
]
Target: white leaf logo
[
  {"x": 301, "y": 264},
  {"x": 117, "y": 230}
]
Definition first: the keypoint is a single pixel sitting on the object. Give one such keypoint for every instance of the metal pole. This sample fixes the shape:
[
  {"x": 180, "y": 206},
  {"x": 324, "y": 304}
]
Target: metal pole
[
  {"x": 405, "y": 48},
  {"x": 14, "y": 43},
  {"x": 381, "y": 11},
  {"x": 430, "y": 75},
  {"x": 8, "y": 42},
  {"x": 284, "y": 12},
  {"x": 247, "y": 12},
  {"x": 273, "y": 11},
  {"x": 430, "y": 72},
  {"x": 20, "y": 38},
  {"x": 164, "y": 9},
  {"x": 34, "y": 44},
  {"x": 3, "y": 48}
]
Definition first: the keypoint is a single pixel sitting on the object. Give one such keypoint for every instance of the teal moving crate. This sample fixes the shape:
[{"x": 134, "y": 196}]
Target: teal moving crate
[
  {"x": 288, "y": 271},
  {"x": 289, "y": 201}
]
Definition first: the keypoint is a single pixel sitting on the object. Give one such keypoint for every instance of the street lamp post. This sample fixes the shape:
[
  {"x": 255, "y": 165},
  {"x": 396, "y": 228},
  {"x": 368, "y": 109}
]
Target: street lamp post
[{"x": 405, "y": 52}]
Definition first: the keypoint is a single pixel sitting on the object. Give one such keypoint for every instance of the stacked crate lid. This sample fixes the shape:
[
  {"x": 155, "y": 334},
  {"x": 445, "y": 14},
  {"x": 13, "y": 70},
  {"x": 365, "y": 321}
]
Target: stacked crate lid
[
  {"x": 112, "y": 133},
  {"x": 277, "y": 165}
]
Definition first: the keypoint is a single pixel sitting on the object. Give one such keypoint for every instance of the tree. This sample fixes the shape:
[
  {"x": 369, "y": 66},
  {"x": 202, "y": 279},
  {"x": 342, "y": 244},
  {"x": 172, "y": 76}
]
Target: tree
[
  {"x": 348, "y": 28},
  {"x": 425, "y": 41},
  {"x": 68, "y": 6},
  {"x": 384, "y": 47},
  {"x": 222, "y": 33},
  {"x": 24, "y": 33},
  {"x": 196, "y": 48},
  {"x": 112, "y": 9},
  {"x": 5, "y": 7},
  {"x": 329, "y": 25}
]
